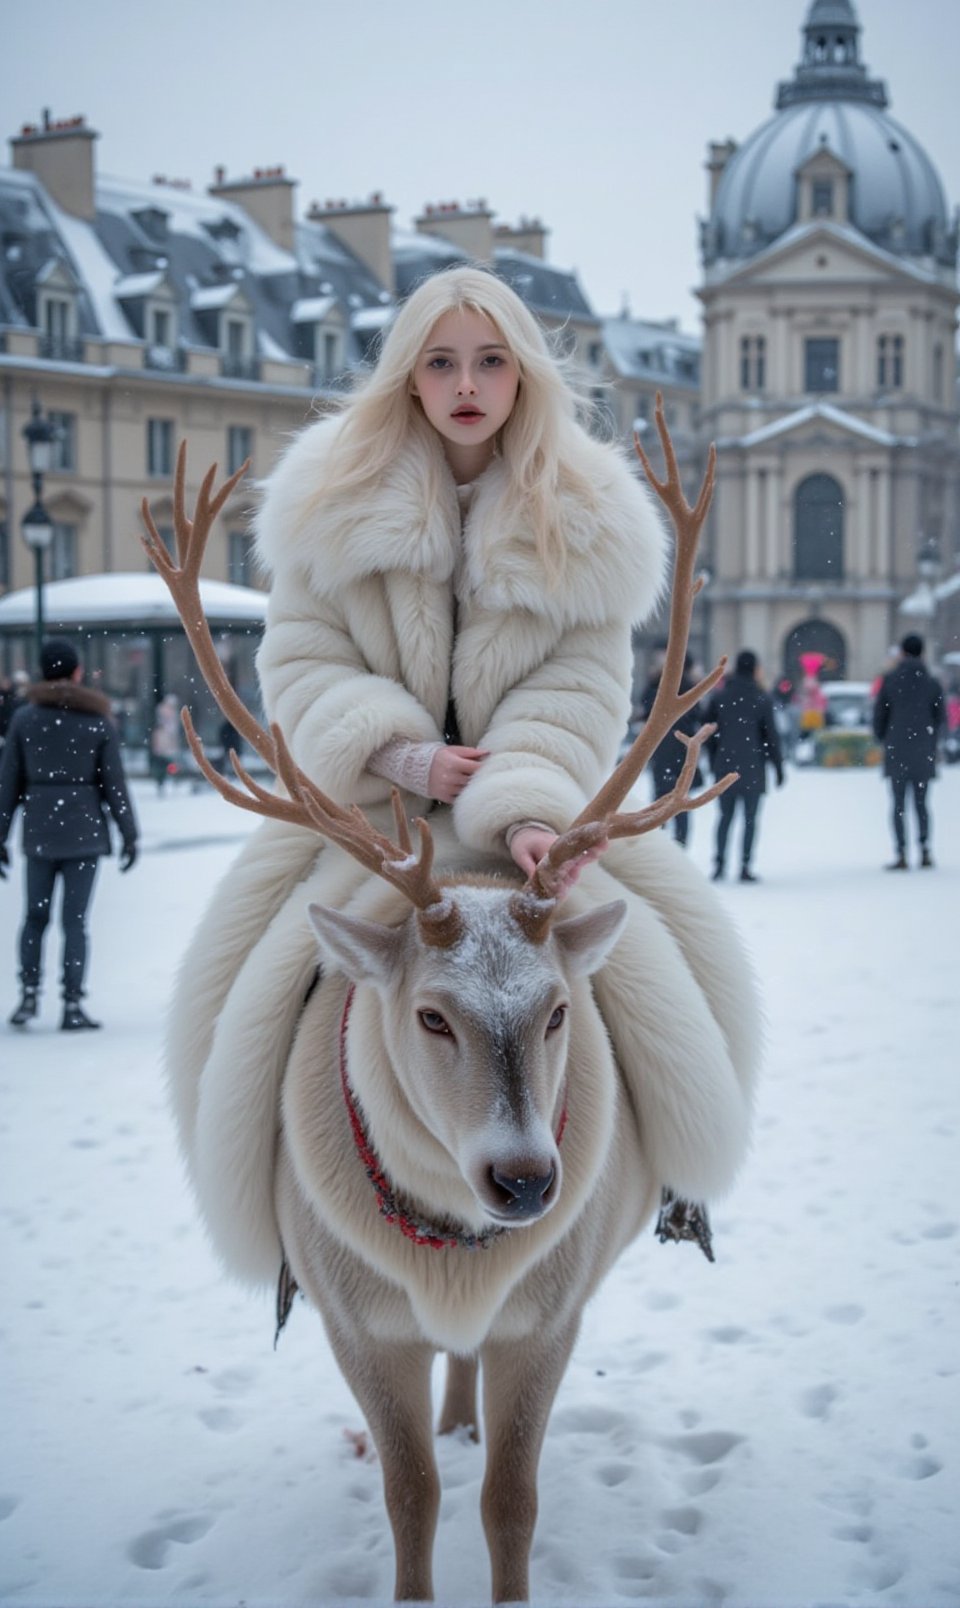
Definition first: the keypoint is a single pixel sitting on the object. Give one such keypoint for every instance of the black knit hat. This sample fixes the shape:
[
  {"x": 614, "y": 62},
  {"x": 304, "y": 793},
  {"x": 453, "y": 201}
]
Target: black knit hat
[
  {"x": 912, "y": 645},
  {"x": 58, "y": 659},
  {"x": 746, "y": 662}
]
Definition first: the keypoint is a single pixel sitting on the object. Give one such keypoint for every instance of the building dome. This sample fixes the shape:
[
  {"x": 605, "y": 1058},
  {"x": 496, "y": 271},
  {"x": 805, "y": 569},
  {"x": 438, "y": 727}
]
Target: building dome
[{"x": 895, "y": 195}]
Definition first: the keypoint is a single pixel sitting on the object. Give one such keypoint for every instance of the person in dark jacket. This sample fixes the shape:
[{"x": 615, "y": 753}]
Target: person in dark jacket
[
  {"x": 667, "y": 761},
  {"x": 61, "y": 765},
  {"x": 907, "y": 716},
  {"x": 745, "y": 741}
]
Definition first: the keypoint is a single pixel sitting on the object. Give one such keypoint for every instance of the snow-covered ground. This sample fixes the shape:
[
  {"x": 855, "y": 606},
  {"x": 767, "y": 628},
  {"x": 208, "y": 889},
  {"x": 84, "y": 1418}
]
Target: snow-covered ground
[{"x": 778, "y": 1429}]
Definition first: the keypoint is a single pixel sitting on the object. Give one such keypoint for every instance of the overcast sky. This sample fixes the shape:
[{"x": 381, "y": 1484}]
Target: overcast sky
[{"x": 592, "y": 114}]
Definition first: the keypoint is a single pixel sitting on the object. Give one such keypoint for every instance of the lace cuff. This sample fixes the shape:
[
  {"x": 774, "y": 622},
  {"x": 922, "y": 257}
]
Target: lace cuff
[
  {"x": 521, "y": 826},
  {"x": 406, "y": 763}
]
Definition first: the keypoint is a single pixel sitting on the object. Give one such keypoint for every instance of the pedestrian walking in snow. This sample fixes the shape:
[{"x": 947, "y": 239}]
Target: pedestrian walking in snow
[
  {"x": 165, "y": 740},
  {"x": 62, "y": 766},
  {"x": 907, "y": 717},
  {"x": 745, "y": 741},
  {"x": 668, "y": 759}
]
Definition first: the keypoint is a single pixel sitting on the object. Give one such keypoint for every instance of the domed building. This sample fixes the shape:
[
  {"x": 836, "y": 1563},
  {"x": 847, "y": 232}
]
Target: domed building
[{"x": 829, "y": 373}]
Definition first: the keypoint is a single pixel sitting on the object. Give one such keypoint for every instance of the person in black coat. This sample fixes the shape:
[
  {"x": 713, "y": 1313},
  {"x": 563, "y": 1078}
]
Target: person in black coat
[
  {"x": 667, "y": 761},
  {"x": 745, "y": 741},
  {"x": 907, "y": 717},
  {"x": 62, "y": 766}
]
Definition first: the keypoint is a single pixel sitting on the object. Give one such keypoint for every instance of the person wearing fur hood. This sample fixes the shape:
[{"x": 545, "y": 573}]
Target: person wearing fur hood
[
  {"x": 455, "y": 568},
  {"x": 62, "y": 766}
]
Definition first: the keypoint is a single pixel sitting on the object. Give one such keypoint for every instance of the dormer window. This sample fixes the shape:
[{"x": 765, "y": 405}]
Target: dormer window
[
  {"x": 822, "y": 198},
  {"x": 824, "y": 187},
  {"x": 225, "y": 315},
  {"x": 160, "y": 327},
  {"x": 57, "y": 315},
  {"x": 235, "y": 337},
  {"x": 319, "y": 336}
]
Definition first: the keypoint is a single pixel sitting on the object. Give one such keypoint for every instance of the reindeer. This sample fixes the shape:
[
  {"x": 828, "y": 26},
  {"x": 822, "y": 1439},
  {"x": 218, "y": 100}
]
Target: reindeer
[{"x": 461, "y": 1148}]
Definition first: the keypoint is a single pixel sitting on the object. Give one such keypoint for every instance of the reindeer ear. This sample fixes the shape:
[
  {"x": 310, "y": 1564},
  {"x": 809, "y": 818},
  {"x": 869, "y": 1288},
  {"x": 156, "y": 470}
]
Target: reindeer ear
[
  {"x": 367, "y": 952},
  {"x": 586, "y": 941}
]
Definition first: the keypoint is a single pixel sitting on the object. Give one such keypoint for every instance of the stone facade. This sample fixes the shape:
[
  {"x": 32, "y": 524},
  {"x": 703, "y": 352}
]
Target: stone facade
[{"x": 829, "y": 374}]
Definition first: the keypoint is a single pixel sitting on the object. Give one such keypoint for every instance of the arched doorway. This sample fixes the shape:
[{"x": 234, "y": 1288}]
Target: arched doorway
[
  {"x": 818, "y": 529},
  {"x": 815, "y": 636}
]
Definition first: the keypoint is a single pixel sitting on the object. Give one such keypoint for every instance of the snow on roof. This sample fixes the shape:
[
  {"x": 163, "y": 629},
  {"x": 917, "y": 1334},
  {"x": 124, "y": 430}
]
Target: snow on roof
[
  {"x": 206, "y": 297},
  {"x": 188, "y": 214},
  {"x": 428, "y": 244},
  {"x": 310, "y": 309},
  {"x": 95, "y": 267},
  {"x": 132, "y": 285},
  {"x": 129, "y": 599},
  {"x": 268, "y": 347},
  {"x": 371, "y": 317},
  {"x": 816, "y": 410}
]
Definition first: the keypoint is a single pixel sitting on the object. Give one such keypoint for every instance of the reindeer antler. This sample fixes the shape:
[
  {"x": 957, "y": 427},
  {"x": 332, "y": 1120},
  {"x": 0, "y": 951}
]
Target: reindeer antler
[
  {"x": 306, "y": 805},
  {"x": 536, "y": 905}
]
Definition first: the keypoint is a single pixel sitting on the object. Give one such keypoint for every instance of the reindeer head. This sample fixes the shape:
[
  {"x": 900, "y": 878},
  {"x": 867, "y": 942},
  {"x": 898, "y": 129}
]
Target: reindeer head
[{"x": 478, "y": 1032}]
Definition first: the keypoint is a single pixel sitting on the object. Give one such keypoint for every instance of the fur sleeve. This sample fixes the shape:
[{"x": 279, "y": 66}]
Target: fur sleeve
[{"x": 335, "y": 714}]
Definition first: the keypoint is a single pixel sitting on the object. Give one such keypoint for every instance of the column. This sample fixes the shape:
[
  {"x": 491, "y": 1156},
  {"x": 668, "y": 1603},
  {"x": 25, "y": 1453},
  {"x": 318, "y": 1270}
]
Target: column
[
  {"x": 752, "y": 552},
  {"x": 861, "y": 543},
  {"x": 776, "y": 559},
  {"x": 884, "y": 537}
]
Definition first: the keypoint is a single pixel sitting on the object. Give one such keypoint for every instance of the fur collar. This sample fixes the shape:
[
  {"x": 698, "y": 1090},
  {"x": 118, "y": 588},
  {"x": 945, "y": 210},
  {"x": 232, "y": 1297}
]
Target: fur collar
[
  {"x": 66, "y": 694},
  {"x": 613, "y": 538}
]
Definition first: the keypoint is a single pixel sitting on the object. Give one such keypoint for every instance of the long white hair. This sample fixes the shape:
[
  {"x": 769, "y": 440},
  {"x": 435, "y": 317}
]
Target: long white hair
[{"x": 382, "y": 416}]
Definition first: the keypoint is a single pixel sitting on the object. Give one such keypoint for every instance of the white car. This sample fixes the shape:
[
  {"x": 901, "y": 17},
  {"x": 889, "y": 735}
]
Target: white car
[{"x": 849, "y": 704}]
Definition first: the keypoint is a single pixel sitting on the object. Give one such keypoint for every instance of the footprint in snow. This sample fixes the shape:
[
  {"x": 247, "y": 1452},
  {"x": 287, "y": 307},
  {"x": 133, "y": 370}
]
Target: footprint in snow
[
  {"x": 149, "y": 1551},
  {"x": 817, "y": 1402}
]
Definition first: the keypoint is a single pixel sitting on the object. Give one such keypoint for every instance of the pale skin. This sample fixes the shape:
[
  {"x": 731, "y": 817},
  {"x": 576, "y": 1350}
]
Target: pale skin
[{"x": 466, "y": 379}]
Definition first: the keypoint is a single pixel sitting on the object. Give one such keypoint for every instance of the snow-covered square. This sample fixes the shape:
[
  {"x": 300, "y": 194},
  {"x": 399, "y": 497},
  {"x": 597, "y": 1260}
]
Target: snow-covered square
[{"x": 777, "y": 1429}]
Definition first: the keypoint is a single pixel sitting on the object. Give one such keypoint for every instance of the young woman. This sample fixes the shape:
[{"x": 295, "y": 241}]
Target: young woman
[{"x": 456, "y": 565}]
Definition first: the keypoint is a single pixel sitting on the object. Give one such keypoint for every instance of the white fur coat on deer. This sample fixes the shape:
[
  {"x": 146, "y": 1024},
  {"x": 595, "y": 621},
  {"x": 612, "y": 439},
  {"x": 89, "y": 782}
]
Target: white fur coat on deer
[{"x": 360, "y": 646}]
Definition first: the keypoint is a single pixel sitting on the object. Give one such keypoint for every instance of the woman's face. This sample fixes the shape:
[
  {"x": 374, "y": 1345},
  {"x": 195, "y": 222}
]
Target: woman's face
[{"x": 466, "y": 378}]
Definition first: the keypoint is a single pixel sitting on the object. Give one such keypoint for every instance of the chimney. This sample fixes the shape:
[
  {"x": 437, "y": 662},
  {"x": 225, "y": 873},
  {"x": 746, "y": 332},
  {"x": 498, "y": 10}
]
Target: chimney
[
  {"x": 528, "y": 236},
  {"x": 267, "y": 195},
  {"x": 719, "y": 153},
  {"x": 364, "y": 228},
  {"x": 469, "y": 227},
  {"x": 61, "y": 156}
]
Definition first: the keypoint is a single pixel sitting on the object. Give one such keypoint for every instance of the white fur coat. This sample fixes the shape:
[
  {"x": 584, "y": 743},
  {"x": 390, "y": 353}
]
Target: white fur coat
[{"x": 359, "y": 648}]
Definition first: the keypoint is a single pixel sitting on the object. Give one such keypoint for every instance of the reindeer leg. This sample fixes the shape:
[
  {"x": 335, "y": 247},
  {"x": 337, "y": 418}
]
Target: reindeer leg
[
  {"x": 392, "y": 1385},
  {"x": 520, "y": 1381},
  {"x": 459, "y": 1409}
]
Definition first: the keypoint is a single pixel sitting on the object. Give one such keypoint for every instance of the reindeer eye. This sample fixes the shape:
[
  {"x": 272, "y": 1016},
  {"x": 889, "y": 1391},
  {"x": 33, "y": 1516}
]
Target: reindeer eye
[
  {"x": 556, "y": 1019},
  {"x": 434, "y": 1023}
]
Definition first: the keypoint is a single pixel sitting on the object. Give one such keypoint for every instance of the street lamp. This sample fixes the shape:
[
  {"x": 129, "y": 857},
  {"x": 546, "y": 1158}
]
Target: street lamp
[
  {"x": 36, "y": 527},
  {"x": 929, "y": 563}
]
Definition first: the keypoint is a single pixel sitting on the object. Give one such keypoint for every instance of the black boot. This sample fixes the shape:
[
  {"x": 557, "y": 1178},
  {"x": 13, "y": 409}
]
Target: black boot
[
  {"x": 926, "y": 858},
  {"x": 27, "y": 1008},
  {"x": 75, "y": 1019},
  {"x": 899, "y": 864},
  {"x": 717, "y": 872},
  {"x": 746, "y": 875}
]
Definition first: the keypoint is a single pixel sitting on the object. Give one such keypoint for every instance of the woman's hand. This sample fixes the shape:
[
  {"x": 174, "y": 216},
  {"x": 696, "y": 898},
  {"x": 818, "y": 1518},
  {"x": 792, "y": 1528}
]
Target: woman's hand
[
  {"x": 531, "y": 843},
  {"x": 451, "y": 769}
]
